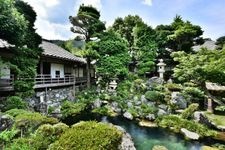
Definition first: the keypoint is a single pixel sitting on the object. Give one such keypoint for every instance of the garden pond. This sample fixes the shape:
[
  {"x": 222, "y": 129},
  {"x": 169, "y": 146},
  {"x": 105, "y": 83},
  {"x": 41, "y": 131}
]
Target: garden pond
[{"x": 145, "y": 138}]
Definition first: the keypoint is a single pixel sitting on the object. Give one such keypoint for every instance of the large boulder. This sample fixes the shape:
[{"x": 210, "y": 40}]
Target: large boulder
[
  {"x": 159, "y": 147},
  {"x": 150, "y": 117},
  {"x": 143, "y": 99},
  {"x": 127, "y": 142},
  {"x": 6, "y": 122},
  {"x": 128, "y": 115},
  {"x": 189, "y": 134},
  {"x": 153, "y": 82},
  {"x": 115, "y": 107},
  {"x": 161, "y": 112},
  {"x": 97, "y": 103},
  {"x": 178, "y": 100}
]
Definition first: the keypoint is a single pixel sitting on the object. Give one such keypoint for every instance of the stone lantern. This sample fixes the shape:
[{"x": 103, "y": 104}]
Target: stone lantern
[
  {"x": 112, "y": 85},
  {"x": 161, "y": 68}
]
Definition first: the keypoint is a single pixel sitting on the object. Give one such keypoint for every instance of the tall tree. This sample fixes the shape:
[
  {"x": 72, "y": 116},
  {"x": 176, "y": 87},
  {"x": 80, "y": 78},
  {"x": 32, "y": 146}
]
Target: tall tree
[
  {"x": 184, "y": 35},
  {"x": 144, "y": 40},
  {"x": 205, "y": 65},
  {"x": 13, "y": 24},
  {"x": 17, "y": 27},
  {"x": 87, "y": 23},
  {"x": 114, "y": 58},
  {"x": 125, "y": 27}
]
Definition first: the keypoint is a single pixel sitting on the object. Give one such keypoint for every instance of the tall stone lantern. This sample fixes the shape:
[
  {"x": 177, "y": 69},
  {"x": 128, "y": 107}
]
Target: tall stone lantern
[{"x": 161, "y": 68}]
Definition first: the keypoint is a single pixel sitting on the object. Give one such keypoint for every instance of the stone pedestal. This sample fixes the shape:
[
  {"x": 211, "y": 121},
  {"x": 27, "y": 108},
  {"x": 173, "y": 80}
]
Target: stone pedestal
[{"x": 210, "y": 105}]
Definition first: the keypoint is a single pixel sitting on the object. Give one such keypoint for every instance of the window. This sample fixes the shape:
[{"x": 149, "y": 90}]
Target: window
[{"x": 57, "y": 73}]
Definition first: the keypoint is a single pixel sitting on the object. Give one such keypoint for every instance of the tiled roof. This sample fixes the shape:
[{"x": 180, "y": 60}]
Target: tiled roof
[
  {"x": 214, "y": 87},
  {"x": 209, "y": 44},
  {"x": 5, "y": 44},
  {"x": 52, "y": 50}
]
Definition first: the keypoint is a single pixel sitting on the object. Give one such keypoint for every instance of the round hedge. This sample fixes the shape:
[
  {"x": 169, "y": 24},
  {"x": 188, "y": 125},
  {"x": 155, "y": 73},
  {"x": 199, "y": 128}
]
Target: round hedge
[{"x": 89, "y": 135}]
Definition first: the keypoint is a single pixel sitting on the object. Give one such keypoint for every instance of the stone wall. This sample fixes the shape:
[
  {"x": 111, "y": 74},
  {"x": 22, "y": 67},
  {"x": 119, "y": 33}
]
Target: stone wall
[{"x": 44, "y": 101}]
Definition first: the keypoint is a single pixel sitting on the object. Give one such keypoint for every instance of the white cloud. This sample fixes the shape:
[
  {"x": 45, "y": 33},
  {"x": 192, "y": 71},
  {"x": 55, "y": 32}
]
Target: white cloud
[
  {"x": 46, "y": 28},
  {"x": 94, "y": 3},
  {"x": 147, "y": 2}
]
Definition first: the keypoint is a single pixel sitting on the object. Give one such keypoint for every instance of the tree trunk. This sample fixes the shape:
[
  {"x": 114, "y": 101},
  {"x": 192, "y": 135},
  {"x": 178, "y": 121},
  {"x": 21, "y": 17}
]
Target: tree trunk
[{"x": 88, "y": 73}]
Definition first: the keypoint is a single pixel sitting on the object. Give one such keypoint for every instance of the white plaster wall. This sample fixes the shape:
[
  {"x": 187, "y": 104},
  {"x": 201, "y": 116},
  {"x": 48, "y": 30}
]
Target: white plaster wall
[
  {"x": 57, "y": 67},
  {"x": 4, "y": 72},
  {"x": 81, "y": 72}
]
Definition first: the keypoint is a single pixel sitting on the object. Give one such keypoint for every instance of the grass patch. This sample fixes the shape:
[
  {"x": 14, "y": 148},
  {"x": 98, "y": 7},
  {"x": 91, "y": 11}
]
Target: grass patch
[{"x": 217, "y": 119}]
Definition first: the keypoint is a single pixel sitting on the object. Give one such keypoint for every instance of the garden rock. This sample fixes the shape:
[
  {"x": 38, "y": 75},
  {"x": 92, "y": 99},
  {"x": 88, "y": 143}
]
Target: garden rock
[
  {"x": 154, "y": 81},
  {"x": 161, "y": 112},
  {"x": 189, "y": 134},
  {"x": 150, "y": 117},
  {"x": 128, "y": 115},
  {"x": 6, "y": 122},
  {"x": 97, "y": 103},
  {"x": 164, "y": 107},
  {"x": 127, "y": 142},
  {"x": 143, "y": 99},
  {"x": 178, "y": 100},
  {"x": 129, "y": 104},
  {"x": 159, "y": 147}
]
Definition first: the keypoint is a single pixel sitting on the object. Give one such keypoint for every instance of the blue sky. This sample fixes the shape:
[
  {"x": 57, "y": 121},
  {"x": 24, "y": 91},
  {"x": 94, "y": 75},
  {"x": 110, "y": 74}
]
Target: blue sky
[{"x": 53, "y": 23}]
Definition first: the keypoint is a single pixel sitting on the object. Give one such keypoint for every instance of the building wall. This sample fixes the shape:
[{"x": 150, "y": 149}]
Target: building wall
[
  {"x": 4, "y": 72},
  {"x": 57, "y": 67}
]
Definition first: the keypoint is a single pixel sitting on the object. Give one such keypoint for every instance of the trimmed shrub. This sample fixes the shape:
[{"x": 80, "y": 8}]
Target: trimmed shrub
[
  {"x": 16, "y": 112},
  {"x": 72, "y": 109},
  {"x": 41, "y": 139},
  {"x": 31, "y": 121},
  {"x": 154, "y": 96},
  {"x": 145, "y": 109},
  {"x": 188, "y": 112},
  {"x": 175, "y": 123},
  {"x": 173, "y": 87},
  {"x": 193, "y": 94},
  {"x": 89, "y": 135},
  {"x": 13, "y": 102}
]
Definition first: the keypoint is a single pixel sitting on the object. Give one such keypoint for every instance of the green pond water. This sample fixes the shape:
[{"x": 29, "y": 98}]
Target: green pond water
[{"x": 145, "y": 138}]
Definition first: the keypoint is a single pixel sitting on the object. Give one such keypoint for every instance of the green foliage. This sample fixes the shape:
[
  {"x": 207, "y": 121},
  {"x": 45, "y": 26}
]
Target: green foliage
[
  {"x": 144, "y": 41},
  {"x": 189, "y": 112},
  {"x": 87, "y": 24},
  {"x": 193, "y": 94},
  {"x": 176, "y": 123},
  {"x": 184, "y": 34},
  {"x": 173, "y": 86},
  {"x": 205, "y": 65},
  {"x": 138, "y": 86},
  {"x": 89, "y": 135},
  {"x": 16, "y": 112},
  {"x": 72, "y": 109},
  {"x": 17, "y": 27},
  {"x": 104, "y": 111},
  {"x": 154, "y": 96},
  {"x": 114, "y": 58},
  {"x": 145, "y": 109},
  {"x": 220, "y": 108},
  {"x": 6, "y": 136},
  {"x": 125, "y": 26},
  {"x": 30, "y": 121},
  {"x": 13, "y": 24},
  {"x": 41, "y": 139},
  {"x": 13, "y": 102}
]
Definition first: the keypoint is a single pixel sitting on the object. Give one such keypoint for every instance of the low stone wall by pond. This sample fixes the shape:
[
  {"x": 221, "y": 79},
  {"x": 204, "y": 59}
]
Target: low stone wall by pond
[{"x": 50, "y": 99}]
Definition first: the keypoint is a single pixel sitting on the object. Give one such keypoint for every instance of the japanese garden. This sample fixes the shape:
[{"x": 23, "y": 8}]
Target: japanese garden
[{"x": 126, "y": 86}]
